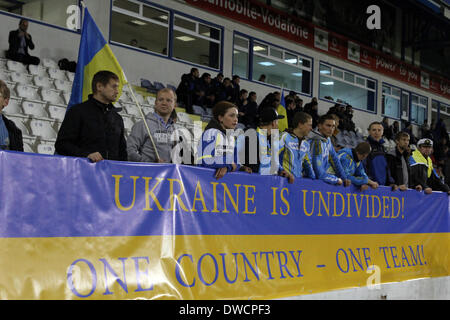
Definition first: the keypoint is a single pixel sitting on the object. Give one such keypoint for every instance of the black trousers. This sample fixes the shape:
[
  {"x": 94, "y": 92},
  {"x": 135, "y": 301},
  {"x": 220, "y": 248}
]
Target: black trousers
[{"x": 25, "y": 59}]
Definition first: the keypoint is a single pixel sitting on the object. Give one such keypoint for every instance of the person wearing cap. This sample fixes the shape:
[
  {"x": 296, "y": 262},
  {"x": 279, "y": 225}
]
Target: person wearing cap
[
  {"x": 295, "y": 156},
  {"x": 325, "y": 160},
  {"x": 264, "y": 160},
  {"x": 422, "y": 171},
  {"x": 217, "y": 148}
]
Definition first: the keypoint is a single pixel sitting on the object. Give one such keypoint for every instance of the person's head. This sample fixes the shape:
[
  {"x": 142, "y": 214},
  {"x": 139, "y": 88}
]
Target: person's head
[
  {"x": 206, "y": 77},
  {"x": 227, "y": 82},
  {"x": 302, "y": 123},
  {"x": 219, "y": 77},
  {"x": 376, "y": 130},
  {"x": 243, "y": 94},
  {"x": 262, "y": 78},
  {"x": 165, "y": 102},
  {"x": 396, "y": 124},
  {"x": 252, "y": 96},
  {"x": 4, "y": 95},
  {"x": 298, "y": 102},
  {"x": 268, "y": 119},
  {"x": 195, "y": 73},
  {"x": 336, "y": 121},
  {"x": 134, "y": 42},
  {"x": 362, "y": 150},
  {"x": 226, "y": 113},
  {"x": 236, "y": 79},
  {"x": 290, "y": 103},
  {"x": 402, "y": 140},
  {"x": 326, "y": 125},
  {"x": 105, "y": 86},
  {"x": 425, "y": 146},
  {"x": 23, "y": 25}
]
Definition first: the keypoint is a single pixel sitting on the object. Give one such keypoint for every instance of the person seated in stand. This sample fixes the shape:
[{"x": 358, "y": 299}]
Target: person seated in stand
[
  {"x": 326, "y": 163},
  {"x": 351, "y": 160},
  {"x": 295, "y": 154},
  {"x": 259, "y": 150},
  {"x": 422, "y": 171},
  {"x": 10, "y": 135},
  {"x": 250, "y": 117},
  {"x": 19, "y": 43},
  {"x": 160, "y": 123},
  {"x": 376, "y": 164},
  {"x": 217, "y": 148}
]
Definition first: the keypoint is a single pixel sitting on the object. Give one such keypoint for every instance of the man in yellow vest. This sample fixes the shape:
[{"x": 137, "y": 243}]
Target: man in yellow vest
[{"x": 422, "y": 172}]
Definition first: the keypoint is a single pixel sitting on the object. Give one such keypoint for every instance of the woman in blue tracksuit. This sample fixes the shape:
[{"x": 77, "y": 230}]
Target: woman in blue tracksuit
[{"x": 217, "y": 148}]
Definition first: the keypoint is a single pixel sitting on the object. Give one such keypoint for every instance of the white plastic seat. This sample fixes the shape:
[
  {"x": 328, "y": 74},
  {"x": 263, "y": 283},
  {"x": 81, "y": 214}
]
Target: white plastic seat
[
  {"x": 28, "y": 148},
  {"x": 66, "y": 95},
  {"x": 56, "y": 73},
  {"x": 128, "y": 122},
  {"x": 37, "y": 70},
  {"x": 20, "y": 122},
  {"x": 63, "y": 85},
  {"x": 184, "y": 117},
  {"x": 16, "y": 66},
  {"x": 43, "y": 129},
  {"x": 20, "y": 77},
  {"x": 151, "y": 100},
  {"x": 43, "y": 82},
  {"x": 132, "y": 109},
  {"x": 27, "y": 91},
  {"x": 56, "y": 112},
  {"x": 44, "y": 148},
  {"x": 49, "y": 63},
  {"x": 70, "y": 75},
  {"x": 51, "y": 96},
  {"x": 14, "y": 106},
  {"x": 5, "y": 75},
  {"x": 34, "y": 109}
]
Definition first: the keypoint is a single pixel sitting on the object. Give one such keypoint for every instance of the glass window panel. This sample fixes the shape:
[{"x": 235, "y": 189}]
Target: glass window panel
[
  {"x": 405, "y": 104},
  {"x": 361, "y": 81},
  {"x": 349, "y": 77},
  {"x": 414, "y": 99},
  {"x": 423, "y": 101},
  {"x": 199, "y": 51},
  {"x": 240, "y": 63},
  {"x": 290, "y": 58},
  {"x": 260, "y": 48},
  {"x": 186, "y": 24},
  {"x": 434, "y": 105},
  {"x": 148, "y": 36},
  {"x": 127, "y": 5},
  {"x": 391, "y": 107},
  {"x": 396, "y": 92},
  {"x": 306, "y": 63},
  {"x": 276, "y": 53},
  {"x": 282, "y": 75},
  {"x": 209, "y": 32},
  {"x": 370, "y": 84},
  {"x": 338, "y": 73},
  {"x": 155, "y": 14},
  {"x": 386, "y": 90},
  {"x": 325, "y": 70},
  {"x": 358, "y": 97},
  {"x": 241, "y": 42}
]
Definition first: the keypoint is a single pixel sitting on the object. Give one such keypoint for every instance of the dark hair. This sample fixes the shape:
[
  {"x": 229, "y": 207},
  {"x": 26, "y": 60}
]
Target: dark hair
[
  {"x": 252, "y": 93},
  {"x": 288, "y": 100},
  {"x": 193, "y": 69},
  {"x": 102, "y": 77},
  {"x": 300, "y": 117},
  {"x": 220, "y": 108},
  {"x": 401, "y": 134},
  {"x": 242, "y": 91},
  {"x": 325, "y": 117},
  {"x": 375, "y": 122},
  {"x": 4, "y": 90},
  {"x": 363, "y": 148}
]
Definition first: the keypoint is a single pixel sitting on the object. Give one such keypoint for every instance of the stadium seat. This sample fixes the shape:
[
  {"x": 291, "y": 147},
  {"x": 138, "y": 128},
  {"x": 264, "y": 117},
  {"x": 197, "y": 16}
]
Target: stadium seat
[
  {"x": 151, "y": 100},
  {"x": 125, "y": 97},
  {"x": 16, "y": 66},
  {"x": 184, "y": 118},
  {"x": 128, "y": 122},
  {"x": 38, "y": 70},
  {"x": 43, "y": 82},
  {"x": 21, "y": 77},
  {"x": 66, "y": 95},
  {"x": 27, "y": 91},
  {"x": 28, "y": 148},
  {"x": 34, "y": 109},
  {"x": 21, "y": 122},
  {"x": 58, "y": 74},
  {"x": 171, "y": 86},
  {"x": 63, "y": 85},
  {"x": 44, "y": 148},
  {"x": 14, "y": 106},
  {"x": 198, "y": 110},
  {"x": 158, "y": 85},
  {"x": 5, "y": 75},
  {"x": 57, "y": 112},
  {"x": 51, "y": 96},
  {"x": 49, "y": 63},
  {"x": 70, "y": 75},
  {"x": 132, "y": 109},
  {"x": 42, "y": 128}
]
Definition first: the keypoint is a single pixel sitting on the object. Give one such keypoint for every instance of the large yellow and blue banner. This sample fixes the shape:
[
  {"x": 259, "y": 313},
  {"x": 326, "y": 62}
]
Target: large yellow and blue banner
[
  {"x": 94, "y": 55},
  {"x": 71, "y": 229}
]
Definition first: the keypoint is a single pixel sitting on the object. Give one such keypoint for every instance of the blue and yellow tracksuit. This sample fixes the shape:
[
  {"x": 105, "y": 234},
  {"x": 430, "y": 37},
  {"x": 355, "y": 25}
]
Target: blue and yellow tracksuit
[
  {"x": 295, "y": 156},
  {"x": 352, "y": 166},
  {"x": 325, "y": 161}
]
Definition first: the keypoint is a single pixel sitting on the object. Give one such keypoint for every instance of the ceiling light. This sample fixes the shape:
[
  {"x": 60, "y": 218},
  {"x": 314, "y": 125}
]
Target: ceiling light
[
  {"x": 325, "y": 72},
  {"x": 327, "y": 83},
  {"x": 266, "y": 63},
  {"x": 185, "y": 38},
  {"x": 138, "y": 22},
  {"x": 297, "y": 74},
  {"x": 259, "y": 48},
  {"x": 292, "y": 60}
]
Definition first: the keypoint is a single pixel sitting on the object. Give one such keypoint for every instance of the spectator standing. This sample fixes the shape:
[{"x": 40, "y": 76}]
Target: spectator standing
[
  {"x": 312, "y": 108},
  {"x": 94, "y": 128},
  {"x": 250, "y": 117},
  {"x": 398, "y": 161},
  {"x": 141, "y": 147},
  {"x": 186, "y": 89},
  {"x": 291, "y": 110},
  {"x": 10, "y": 135},
  {"x": 19, "y": 42}
]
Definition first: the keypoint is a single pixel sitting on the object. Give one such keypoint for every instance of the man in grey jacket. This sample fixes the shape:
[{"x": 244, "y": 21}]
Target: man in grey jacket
[{"x": 139, "y": 146}]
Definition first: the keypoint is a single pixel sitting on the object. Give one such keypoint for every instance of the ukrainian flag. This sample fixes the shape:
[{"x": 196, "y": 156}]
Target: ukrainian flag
[
  {"x": 94, "y": 55},
  {"x": 282, "y": 123}
]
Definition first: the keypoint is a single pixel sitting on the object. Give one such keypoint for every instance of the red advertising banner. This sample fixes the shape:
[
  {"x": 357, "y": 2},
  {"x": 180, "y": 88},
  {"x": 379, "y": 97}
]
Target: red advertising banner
[{"x": 276, "y": 22}]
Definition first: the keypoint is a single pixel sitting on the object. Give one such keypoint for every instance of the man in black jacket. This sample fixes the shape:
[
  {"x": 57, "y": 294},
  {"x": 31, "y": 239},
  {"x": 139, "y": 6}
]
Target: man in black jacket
[
  {"x": 10, "y": 135},
  {"x": 186, "y": 89},
  {"x": 19, "y": 43},
  {"x": 94, "y": 129}
]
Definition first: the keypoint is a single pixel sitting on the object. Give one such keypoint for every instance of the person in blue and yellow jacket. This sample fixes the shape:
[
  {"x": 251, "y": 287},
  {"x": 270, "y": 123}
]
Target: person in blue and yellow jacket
[
  {"x": 217, "y": 148},
  {"x": 294, "y": 149},
  {"x": 326, "y": 164},
  {"x": 422, "y": 172},
  {"x": 351, "y": 160}
]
